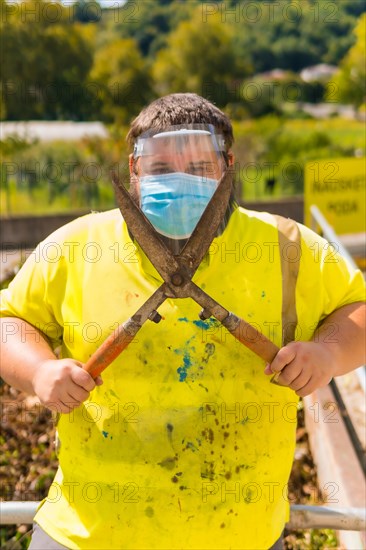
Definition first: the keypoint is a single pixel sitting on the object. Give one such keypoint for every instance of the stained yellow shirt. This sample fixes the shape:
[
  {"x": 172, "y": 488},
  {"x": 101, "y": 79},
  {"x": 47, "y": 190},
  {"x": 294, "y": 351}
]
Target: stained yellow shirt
[{"x": 186, "y": 445}]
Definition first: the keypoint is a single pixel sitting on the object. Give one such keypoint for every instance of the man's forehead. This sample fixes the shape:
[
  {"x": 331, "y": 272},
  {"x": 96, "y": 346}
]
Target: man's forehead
[
  {"x": 178, "y": 143},
  {"x": 186, "y": 156}
]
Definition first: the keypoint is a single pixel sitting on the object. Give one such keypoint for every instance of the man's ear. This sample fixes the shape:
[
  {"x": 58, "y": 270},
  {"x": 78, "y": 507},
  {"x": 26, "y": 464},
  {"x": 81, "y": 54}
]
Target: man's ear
[
  {"x": 230, "y": 158},
  {"x": 134, "y": 181},
  {"x": 132, "y": 165}
]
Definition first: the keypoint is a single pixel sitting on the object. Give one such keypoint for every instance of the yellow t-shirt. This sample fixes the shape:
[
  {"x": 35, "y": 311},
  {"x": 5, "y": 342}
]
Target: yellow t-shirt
[{"x": 186, "y": 445}]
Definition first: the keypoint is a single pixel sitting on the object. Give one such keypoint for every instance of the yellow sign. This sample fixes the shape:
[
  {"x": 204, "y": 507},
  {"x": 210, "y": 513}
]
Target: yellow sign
[{"x": 337, "y": 188}]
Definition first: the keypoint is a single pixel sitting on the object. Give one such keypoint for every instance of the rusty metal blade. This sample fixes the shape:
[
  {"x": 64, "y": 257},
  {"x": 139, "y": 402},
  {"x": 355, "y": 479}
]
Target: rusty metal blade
[
  {"x": 244, "y": 332},
  {"x": 144, "y": 232},
  {"x": 204, "y": 232}
]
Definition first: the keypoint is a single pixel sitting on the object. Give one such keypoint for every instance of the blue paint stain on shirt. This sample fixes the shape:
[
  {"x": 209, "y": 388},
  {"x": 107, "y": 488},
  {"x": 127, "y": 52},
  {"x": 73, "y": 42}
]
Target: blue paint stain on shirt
[
  {"x": 105, "y": 434},
  {"x": 263, "y": 294},
  {"x": 201, "y": 324},
  {"x": 187, "y": 363},
  {"x": 205, "y": 325},
  {"x": 188, "y": 351}
]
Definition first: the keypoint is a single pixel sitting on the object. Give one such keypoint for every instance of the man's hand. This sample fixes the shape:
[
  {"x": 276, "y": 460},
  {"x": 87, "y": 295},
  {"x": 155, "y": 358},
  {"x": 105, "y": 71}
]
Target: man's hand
[
  {"x": 303, "y": 367},
  {"x": 62, "y": 385},
  {"x": 338, "y": 346}
]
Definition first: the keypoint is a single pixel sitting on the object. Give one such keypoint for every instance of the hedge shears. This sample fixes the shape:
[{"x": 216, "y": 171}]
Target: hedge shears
[{"x": 177, "y": 272}]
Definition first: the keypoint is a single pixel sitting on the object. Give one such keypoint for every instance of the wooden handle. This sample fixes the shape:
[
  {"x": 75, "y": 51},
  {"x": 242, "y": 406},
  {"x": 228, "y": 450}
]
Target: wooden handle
[
  {"x": 109, "y": 350},
  {"x": 254, "y": 340},
  {"x": 124, "y": 334}
]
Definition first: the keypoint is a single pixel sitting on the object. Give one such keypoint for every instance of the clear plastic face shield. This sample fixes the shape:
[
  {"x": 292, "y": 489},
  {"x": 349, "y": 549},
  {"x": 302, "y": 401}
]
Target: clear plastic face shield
[{"x": 178, "y": 171}]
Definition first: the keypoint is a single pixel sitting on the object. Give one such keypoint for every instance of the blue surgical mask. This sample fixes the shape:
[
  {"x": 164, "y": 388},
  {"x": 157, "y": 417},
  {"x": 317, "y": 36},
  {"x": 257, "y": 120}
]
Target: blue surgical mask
[{"x": 174, "y": 202}]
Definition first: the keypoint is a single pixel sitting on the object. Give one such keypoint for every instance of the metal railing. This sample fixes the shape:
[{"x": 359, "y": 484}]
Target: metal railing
[
  {"x": 301, "y": 516},
  {"x": 319, "y": 221},
  {"x": 350, "y": 539}
]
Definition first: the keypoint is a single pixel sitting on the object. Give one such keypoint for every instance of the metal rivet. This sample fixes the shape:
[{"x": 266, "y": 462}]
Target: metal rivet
[{"x": 177, "y": 279}]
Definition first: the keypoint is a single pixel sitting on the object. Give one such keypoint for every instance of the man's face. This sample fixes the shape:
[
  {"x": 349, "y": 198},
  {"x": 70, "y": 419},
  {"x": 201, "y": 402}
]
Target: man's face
[
  {"x": 168, "y": 157},
  {"x": 174, "y": 175}
]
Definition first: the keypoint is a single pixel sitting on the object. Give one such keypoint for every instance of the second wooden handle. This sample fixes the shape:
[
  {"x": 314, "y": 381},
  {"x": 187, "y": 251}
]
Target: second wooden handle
[{"x": 255, "y": 341}]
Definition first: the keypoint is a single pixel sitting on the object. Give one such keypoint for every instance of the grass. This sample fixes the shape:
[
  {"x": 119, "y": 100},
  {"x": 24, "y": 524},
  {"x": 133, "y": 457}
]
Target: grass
[
  {"x": 20, "y": 202},
  {"x": 264, "y": 147},
  {"x": 348, "y": 133},
  {"x": 277, "y": 147}
]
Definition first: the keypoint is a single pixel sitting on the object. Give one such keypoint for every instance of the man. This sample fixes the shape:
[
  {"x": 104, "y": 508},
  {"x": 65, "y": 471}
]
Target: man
[{"x": 186, "y": 444}]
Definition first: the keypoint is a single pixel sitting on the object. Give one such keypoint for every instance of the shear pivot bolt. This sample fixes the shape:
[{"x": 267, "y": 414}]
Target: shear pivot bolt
[
  {"x": 177, "y": 279},
  {"x": 155, "y": 317},
  {"x": 204, "y": 314}
]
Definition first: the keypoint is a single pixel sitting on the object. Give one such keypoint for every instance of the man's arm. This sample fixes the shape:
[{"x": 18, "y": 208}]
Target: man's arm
[
  {"x": 29, "y": 364},
  {"x": 337, "y": 347}
]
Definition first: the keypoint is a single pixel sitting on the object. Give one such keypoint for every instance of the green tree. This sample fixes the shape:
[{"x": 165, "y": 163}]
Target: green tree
[
  {"x": 149, "y": 22},
  {"x": 292, "y": 35},
  {"x": 199, "y": 57},
  {"x": 45, "y": 62},
  {"x": 87, "y": 11},
  {"x": 350, "y": 81},
  {"x": 122, "y": 79}
]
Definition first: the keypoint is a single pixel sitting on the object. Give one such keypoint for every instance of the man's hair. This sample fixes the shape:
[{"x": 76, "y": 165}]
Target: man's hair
[{"x": 175, "y": 109}]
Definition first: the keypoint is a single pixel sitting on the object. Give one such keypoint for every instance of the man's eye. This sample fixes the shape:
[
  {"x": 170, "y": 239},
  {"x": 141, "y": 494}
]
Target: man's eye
[
  {"x": 160, "y": 170},
  {"x": 196, "y": 170},
  {"x": 203, "y": 169}
]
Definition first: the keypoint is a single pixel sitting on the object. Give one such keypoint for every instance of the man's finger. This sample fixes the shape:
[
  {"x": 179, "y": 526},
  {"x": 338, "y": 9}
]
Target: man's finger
[
  {"x": 301, "y": 381},
  {"x": 306, "y": 390},
  {"x": 82, "y": 379},
  {"x": 67, "y": 408},
  {"x": 98, "y": 381},
  {"x": 77, "y": 393},
  {"x": 283, "y": 358},
  {"x": 290, "y": 372},
  {"x": 60, "y": 407}
]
